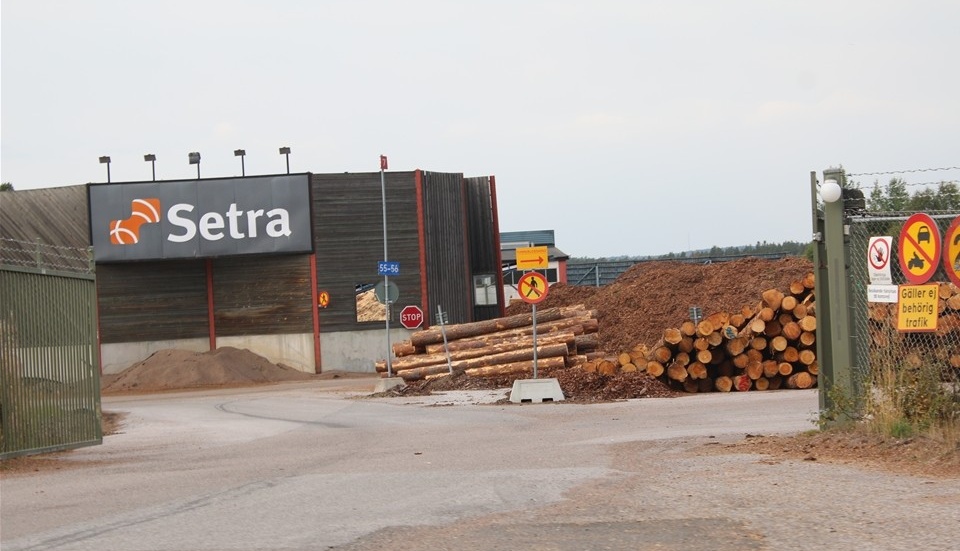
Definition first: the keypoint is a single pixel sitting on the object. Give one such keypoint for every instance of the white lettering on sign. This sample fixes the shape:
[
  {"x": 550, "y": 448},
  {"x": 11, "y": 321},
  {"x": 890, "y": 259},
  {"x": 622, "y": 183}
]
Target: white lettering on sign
[{"x": 212, "y": 224}]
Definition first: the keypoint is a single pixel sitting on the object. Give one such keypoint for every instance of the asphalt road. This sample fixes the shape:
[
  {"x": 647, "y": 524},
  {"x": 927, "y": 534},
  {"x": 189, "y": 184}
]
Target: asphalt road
[{"x": 307, "y": 467}]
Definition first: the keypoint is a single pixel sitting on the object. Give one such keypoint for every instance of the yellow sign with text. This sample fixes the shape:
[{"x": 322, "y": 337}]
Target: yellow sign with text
[
  {"x": 532, "y": 258},
  {"x": 917, "y": 308}
]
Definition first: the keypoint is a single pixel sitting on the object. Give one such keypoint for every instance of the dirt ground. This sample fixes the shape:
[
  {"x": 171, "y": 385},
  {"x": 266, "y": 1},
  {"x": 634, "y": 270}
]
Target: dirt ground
[{"x": 635, "y": 309}]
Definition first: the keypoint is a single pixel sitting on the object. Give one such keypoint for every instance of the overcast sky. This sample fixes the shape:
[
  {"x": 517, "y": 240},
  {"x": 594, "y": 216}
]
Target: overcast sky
[{"x": 630, "y": 128}]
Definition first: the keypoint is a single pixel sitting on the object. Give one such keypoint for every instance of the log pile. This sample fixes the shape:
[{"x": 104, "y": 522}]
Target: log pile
[
  {"x": 913, "y": 350},
  {"x": 769, "y": 345},
  {"x": 566, "y": 337}
]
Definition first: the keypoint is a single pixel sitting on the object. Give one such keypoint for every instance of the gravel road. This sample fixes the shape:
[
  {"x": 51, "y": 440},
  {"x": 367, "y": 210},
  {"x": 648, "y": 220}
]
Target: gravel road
[{"x": 306, "y": 466}]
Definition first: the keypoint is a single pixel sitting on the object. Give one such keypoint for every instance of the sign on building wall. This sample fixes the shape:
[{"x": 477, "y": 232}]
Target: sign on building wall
[{"x": 200, "y": 218}]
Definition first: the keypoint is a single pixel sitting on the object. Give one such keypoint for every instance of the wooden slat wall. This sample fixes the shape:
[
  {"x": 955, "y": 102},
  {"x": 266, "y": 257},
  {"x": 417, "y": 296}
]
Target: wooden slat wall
[
  {"x": 262, "y": 295},
  {"x": 348, "y": 239},
  {"x": 56, "y": 216},
  {"x": 148, "y": 301},
  {"x": 448, "y": 277},
  {"x": 482, "y": 238}
]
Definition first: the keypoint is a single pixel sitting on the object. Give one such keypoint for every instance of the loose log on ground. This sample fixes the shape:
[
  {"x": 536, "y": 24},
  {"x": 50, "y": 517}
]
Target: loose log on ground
[
  {"x": 754, "y": 370},
  {"x": 607, "y": 367},
  {"x": 577, "y": 326},
  {"x": 742, "y": 383},
  {"x": 421, "y": 360},
  {"x": 515, "y": 367},
  {"x": 791, "y": 331},
  {"x": 697, "y": 370},
  {"x": 672, "y": 335},
  {"x": 808, "y": 323},
  {"x": 801, "y": 380},
  {"x": 473, "y": 329},
  {"x": 770, "y": 368},
  {"x": 655, "y": 369},
  {"x": 772, "y": 298},
  {"x": 546, "y": 351},
  {"x": 677, "y": 372},
  {"x": 404, "y": 348}
]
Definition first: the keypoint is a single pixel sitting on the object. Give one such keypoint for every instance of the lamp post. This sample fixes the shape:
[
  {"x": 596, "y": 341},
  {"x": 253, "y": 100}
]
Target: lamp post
[
  {"x": 286, "y": 151},
  {"x": 105, "y": 160},
  {"x": 241, "y": 153},
  {"x": 194, "y": 158},
  {"x": 152, "y": 159}
]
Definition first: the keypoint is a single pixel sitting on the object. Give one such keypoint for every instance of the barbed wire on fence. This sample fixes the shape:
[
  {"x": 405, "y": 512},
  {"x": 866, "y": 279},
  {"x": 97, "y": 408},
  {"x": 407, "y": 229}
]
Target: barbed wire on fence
[
  {"x": 15, "y": 252},
  {"x": 906, "y": 171}
]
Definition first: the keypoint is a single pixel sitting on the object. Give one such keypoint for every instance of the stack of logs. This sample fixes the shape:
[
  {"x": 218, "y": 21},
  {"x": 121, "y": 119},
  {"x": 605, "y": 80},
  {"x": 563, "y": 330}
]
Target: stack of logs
[
  {"x": 566, "y": 337},
  {"x": 767, "y": 346}
]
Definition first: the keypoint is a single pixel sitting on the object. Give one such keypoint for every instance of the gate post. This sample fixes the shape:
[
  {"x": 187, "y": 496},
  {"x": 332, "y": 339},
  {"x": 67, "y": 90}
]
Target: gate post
[{"x": 831, "y": 260}]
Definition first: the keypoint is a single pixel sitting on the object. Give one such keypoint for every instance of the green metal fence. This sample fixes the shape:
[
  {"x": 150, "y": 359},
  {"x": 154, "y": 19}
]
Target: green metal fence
[
  {"x": 49, "y": 359},
  {"x": 879, "y": 348}
]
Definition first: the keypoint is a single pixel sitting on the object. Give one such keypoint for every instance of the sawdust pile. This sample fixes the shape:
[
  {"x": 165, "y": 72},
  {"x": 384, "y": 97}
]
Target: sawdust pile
[
  {"x": 653, "y": 296},
  {"x": 179, "y": 369}
]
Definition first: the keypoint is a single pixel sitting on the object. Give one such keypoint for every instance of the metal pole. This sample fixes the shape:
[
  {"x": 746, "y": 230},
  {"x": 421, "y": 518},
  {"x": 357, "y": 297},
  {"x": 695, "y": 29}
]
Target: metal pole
[
  {"x": 108, "y": 173},
  {"x": 534, "y": 341},
  {"x": 443, "y": 329},
  {"x": 386, "y": 278},
  {"x": 243, "y": 167},
  {"x": 288, "y": 163},
  {"x": 153, "y": 170},
  {"x": 198, "y": 170}
]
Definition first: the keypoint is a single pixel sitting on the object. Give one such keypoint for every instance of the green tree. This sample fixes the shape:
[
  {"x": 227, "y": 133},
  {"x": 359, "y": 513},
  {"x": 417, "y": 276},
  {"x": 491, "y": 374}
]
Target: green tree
[
  {"x": 6, "y": 186},
  {"x": 898, "y": 198}
]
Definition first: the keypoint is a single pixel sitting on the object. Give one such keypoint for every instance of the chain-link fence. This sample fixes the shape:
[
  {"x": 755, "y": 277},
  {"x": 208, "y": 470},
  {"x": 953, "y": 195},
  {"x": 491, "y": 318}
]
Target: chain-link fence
[{"x": 886, "y": 352}]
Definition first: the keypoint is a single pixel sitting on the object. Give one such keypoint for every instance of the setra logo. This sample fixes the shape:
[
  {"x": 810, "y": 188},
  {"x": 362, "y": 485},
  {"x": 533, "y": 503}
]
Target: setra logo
[{"x": 144, "y": 211}]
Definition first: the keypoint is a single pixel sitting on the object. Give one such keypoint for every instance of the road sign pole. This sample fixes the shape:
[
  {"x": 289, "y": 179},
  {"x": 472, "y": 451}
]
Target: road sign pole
[
  {"x": 534, "y": 341},
  {"x": 386, "y": 278}
]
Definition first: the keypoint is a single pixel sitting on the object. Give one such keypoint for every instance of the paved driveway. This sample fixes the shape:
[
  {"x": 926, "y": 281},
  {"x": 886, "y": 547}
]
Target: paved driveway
[{"x": 308, "y": 467}]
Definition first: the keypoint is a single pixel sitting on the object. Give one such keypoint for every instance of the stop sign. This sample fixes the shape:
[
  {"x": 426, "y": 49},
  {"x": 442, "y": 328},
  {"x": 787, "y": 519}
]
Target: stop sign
[{"x": 411, "y": 317}]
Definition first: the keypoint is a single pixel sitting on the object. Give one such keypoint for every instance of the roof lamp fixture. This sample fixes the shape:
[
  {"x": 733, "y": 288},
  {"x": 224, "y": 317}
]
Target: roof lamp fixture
[
  {"x": 152, "y": 159},
  {"x": 241, "y": 153},
  {"x": 830, "y": 191},
  {"x": 286, "y": 151},
  {"x": 105, "y": 160},
  {"x": 194, "y": 158}
]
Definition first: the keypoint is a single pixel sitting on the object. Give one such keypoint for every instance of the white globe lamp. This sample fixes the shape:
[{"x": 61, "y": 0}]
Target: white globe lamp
[{"x": 830, "y": 191}]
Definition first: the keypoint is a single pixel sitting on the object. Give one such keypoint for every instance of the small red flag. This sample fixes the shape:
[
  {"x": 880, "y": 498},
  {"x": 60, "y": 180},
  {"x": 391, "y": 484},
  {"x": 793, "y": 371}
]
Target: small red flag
[{"x": 383, "y": 162}]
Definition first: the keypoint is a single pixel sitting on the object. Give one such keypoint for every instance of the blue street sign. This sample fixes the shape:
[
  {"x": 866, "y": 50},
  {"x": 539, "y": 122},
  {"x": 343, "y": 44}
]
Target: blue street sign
[{"x": 388, "y": 268}]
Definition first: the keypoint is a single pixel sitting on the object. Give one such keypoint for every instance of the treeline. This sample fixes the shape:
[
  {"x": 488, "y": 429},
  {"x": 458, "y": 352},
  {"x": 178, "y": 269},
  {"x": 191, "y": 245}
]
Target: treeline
[
  {"x": 761, "y": 248},
  {"x": 896, "y": 197}
]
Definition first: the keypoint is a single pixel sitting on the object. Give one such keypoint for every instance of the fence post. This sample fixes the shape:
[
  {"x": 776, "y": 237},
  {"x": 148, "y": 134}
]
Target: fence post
[{"x": 834, "y": 349}]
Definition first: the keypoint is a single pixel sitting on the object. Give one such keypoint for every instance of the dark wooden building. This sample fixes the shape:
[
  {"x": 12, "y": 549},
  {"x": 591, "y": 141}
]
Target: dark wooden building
[{"x": 312, "y": 307}]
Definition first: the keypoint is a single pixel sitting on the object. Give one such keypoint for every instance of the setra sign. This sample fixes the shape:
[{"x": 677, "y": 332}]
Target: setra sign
[{"x": 200, "y": 218}]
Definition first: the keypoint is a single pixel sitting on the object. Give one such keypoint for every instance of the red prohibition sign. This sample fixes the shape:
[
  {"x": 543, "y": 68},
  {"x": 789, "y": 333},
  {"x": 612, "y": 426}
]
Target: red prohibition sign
[
  {"x": 533, "y": 287},
  {"x": 919, "y": 248},
  {"x": 951, "y": 251},
  {"x": 879, "y": 254}
]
